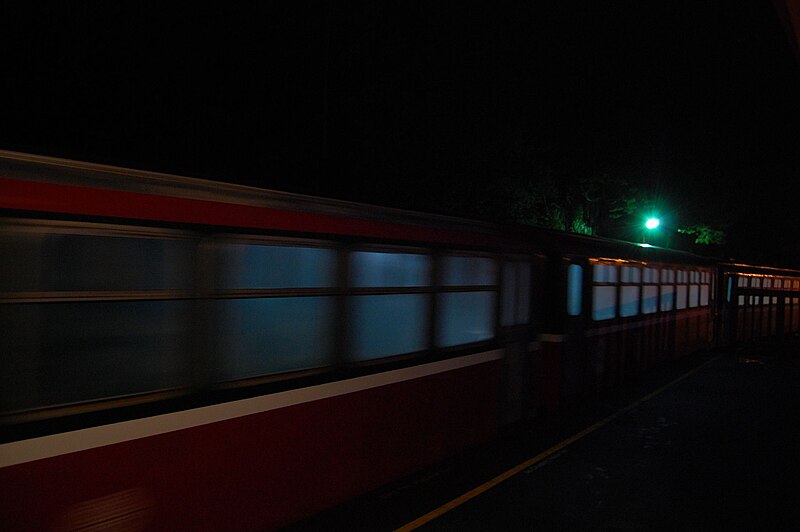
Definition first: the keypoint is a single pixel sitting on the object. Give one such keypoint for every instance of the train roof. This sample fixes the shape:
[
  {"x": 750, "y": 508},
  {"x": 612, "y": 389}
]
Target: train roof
[{"x": 17, "y": 166}]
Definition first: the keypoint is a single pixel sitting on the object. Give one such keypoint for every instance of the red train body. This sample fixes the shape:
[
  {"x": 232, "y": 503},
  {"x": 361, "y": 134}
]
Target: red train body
[{"x": 181, "y": 354}]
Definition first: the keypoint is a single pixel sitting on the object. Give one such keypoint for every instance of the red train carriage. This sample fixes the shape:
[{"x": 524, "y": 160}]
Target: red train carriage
[
  {"x": 182, "y": 354},
  {"x": 758, "y": 302},
  {"x": 622, "y": 309},
  {"x": 194, "y": 355}
]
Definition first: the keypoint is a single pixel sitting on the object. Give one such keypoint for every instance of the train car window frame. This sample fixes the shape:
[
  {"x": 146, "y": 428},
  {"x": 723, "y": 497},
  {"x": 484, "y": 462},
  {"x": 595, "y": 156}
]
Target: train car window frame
[
  {"x": 681, "y": 290},
  {"x": 481, "y": 299},
  {"x": 574, "y": 289},
  {"x": 54, "y": 320},
  {"x": 694, "y": 289},
  {"x": 605, "y": 290},
  {"x": 516, "y": 291},
  {"x": 667, "y": 291},
  {"x": 706, "y": 290},
  {"x": 630, "y": 290},
  {"x": 365, "y": 304},
  {"x": 650, "y": 290},
  {"x": 314, "y": 305}
]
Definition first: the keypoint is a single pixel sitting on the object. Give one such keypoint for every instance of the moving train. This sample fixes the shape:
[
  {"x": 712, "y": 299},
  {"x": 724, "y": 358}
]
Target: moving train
[{"x": 180, "y": 354}]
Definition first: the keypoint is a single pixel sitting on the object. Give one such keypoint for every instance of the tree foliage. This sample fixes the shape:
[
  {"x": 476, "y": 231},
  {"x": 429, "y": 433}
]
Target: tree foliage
[{"x": 704, "y": 234}]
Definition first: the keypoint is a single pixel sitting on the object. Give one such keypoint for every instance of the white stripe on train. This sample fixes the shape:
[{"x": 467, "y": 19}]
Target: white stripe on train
[{"x": 20, "y": 452}]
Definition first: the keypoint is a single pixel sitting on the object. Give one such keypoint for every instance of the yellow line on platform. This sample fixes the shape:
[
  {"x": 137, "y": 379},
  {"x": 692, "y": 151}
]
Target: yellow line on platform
[{"x": 471, "y": 494}]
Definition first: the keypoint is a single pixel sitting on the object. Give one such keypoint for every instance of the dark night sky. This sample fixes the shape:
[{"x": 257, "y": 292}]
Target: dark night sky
[{"x": 409, "y": 103}]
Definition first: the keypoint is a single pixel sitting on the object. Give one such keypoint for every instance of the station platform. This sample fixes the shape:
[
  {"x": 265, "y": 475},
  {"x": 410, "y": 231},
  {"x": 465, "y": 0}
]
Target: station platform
[{"x": 707, "y": 442}]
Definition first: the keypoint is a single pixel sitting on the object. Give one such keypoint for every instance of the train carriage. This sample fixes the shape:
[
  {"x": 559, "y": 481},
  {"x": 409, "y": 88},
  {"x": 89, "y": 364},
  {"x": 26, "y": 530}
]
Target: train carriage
[{"x": 183, "y": 354}]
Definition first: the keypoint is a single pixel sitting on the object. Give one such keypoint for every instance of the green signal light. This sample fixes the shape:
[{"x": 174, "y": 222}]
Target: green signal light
[{"x": 652, "y": 223}]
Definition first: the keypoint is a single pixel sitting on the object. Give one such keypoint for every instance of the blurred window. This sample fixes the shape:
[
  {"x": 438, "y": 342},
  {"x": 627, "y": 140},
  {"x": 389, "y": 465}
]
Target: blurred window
[
  {"x": 263, "y": 266},
  {"x": 63, "y": 353},
  {"x": 694, "y": 295},
  {"x": 704, "y": 291},
  {"x": 574, "y": 289},
  {"x": 92, "y": 312},
  {"x": 650, "y": 291},
  {"x": 650, "y": 299},
  {"x": 629, "y": 301},
  {"x": 466, "y": 302},
  {"x": 68, "y": 259},
  {"x": 516, "y": 294},
  {"x": 604, "y": 291},
  {"x": 275, "y": 307},
  {"x": 604, "y": 302},
  {"x": 667, "y": 297},
  {"x": 269, "y": 335},
  {"x": 604, "y": 273},
  {"x": 631, "y": 274},
  {"x": 680, "y": 298},
  {"x": 389, "y": 304}
]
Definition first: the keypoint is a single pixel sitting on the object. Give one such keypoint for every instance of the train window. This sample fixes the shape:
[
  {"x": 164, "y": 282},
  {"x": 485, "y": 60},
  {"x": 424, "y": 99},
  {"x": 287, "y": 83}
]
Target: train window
[
  {"x": 466, "y": 304},
  {"x": 650, "y": 291},
  {"x": 629, "y": 295},
  {"x": 604, "y": 273},
  {"x": 264, "y": 266},
  {"x": 796, "y": 284},
  {"x": 667, "y": 276},
  {"x": 742, "y": 282},
  {"x": 680, "y": 297},
  {"x": 63, "y": 353},
  {"x": 604, "y": 298},
  {"x": 106, "y": 313},
  {"x": 88, "y": 261},
  {"x": 694, "y": 295},
  {"x": 385, "y": 325},
  {"x": 20, "y": 262},
  {"x": 574, "y": 289},
  {"x": 465, "y": 317},
  {"x": 729, "y": 289},
  {"x": 516, "y": 293},
  {"x": 755, "y": 282},
  {"x": 268, "y": 335},
  {"x": 629, "y": 301},
  {"x": 468, "y": 271},
  {"x": 650, "y": 299},
  {"x": 682, "y": 277},
  {"x": 704, "y": 293},
  {"x": 389, "y": 323},
  {"x": 264, "y": 333},
  {"x": 631, "y": 274},
  {"x": 374, "y": 269},
  {"x": 604, "y": 302},
  {"x": 767, "y": 282},
  {"x": 667, "y": 297}
]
